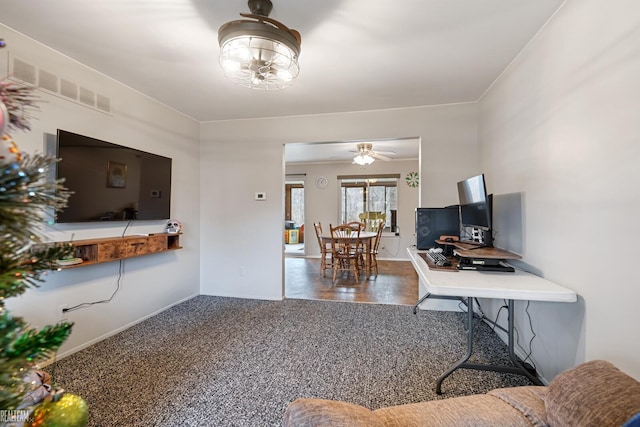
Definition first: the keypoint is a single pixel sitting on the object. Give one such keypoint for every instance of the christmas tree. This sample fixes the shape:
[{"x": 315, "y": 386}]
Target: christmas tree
[{"x": 26, "y": 198}]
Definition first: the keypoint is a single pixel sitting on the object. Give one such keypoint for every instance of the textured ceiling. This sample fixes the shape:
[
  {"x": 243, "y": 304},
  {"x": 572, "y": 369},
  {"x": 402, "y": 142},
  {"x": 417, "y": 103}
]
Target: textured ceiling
[{"x": 357, "y": 55}]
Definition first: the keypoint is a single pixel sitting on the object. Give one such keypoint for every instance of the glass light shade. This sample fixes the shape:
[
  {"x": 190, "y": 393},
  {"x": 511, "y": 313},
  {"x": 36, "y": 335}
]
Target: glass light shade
[
  {"x": 363, "y": 159},
  {"x": 258, "y": 55}
]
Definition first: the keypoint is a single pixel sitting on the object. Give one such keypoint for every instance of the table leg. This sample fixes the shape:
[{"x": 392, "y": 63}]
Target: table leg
[
  {"x": 466, "y": 357},
  {"x": 415, "y": 307},
  {"x": 366, "y": 248},
  {"x": 368, "y": 257},
  {"x": 462, "y": 363},
  {"x": 512, "y": 354}
]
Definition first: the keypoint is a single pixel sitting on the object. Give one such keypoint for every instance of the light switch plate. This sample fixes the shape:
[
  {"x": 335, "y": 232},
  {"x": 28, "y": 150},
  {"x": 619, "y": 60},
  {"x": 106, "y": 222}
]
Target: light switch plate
[{"x": 261, "y": 196}]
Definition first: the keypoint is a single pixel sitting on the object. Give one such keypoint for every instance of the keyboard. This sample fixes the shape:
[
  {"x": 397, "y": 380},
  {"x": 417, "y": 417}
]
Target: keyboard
[{"x": 438, "y": 259}]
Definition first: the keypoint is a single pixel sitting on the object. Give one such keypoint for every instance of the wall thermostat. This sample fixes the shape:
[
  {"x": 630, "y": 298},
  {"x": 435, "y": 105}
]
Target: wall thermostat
[{"x": 261, "y": 196}]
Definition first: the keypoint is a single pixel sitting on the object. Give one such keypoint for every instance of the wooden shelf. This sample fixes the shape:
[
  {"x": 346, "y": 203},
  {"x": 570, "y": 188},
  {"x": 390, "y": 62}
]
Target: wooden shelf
[
  {"x": 475, "y": 251},
  {"x": 96, "y": 251}
]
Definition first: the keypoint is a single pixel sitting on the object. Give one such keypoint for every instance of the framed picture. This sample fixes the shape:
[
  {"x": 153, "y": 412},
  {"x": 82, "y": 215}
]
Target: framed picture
[{"x": 116, "y": 175}]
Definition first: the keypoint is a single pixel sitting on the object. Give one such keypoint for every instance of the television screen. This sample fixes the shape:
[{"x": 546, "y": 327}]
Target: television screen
[
  {"x": 474, "y": 207},
  {"x": 111, "y": 182}
]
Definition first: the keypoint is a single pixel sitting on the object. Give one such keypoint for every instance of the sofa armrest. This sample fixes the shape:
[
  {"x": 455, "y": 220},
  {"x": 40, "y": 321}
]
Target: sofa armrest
[
  {"x": 330, "y": 413},
  {"x": 595, "y": 394}
]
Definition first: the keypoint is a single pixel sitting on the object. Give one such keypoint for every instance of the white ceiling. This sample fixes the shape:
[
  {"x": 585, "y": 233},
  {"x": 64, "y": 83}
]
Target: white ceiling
[{"x": 357, "y": 55}]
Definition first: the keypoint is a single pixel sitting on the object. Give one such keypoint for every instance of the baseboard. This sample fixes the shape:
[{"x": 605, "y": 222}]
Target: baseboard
[
  {"x": 251, "y": 296},
  {"x": 115, "y": 331}
]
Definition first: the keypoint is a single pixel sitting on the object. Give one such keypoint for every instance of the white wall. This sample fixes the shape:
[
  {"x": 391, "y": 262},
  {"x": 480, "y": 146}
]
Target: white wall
[
  {"x": 557, "y": 137},
  {"x": 560, "y": 130},
  {"x": 150, "y": 283},
  {"x": 242, "y": 239},
  {"x": 322, "y": 204}
]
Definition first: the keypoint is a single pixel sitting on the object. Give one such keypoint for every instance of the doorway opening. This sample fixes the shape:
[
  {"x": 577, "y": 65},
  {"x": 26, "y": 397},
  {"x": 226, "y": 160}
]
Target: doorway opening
[{"x": 294, "y": 232}]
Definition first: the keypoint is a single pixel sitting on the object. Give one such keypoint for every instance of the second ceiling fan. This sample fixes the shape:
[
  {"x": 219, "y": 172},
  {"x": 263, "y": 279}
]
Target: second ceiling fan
[{"x": 365, "y": 155}]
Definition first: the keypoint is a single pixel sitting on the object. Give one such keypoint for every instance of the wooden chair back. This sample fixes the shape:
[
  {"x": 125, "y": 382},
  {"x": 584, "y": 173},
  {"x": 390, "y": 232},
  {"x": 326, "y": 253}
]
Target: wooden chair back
[
  {"x": 372, "y": 219},
  {"x": 345, "y": 249},
  {"x": 376, "y": 242},
  {"x": 318, "y": 227},
  {"x": 345, "y": 241},
  {"x": 357, "y": 225}
]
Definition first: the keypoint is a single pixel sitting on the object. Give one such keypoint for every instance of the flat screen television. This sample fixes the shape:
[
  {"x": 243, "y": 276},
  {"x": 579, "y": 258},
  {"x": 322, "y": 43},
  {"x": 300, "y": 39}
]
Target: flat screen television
[
  {"x": 475, "y": 206},
  {"x": 111, "y": 182}
]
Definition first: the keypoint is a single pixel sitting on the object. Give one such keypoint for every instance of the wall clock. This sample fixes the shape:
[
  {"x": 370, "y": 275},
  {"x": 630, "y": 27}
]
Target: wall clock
[
  {"x": 412, "y": 179},
  {"x": 322, "y": 182}
]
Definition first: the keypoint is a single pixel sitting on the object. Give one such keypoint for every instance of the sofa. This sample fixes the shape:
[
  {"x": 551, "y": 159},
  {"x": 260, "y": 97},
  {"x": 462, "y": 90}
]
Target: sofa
[{"x": 595, "y": 393}]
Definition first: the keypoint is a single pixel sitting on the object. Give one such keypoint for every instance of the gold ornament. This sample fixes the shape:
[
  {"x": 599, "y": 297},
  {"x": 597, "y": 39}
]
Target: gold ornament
[
  {"x": 69, "y": 411},
  {"x": 9, "y": 152}
]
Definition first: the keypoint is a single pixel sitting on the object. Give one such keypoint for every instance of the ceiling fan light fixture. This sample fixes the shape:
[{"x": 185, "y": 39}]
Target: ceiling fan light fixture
[
  {"x": 261, "y": 54},
  {"x": 363, "y": 159},
  {"x": 364, "y": 156}
]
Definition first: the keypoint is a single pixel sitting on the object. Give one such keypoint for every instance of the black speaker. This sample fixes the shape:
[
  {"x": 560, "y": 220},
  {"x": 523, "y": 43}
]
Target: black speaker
[{"x": 431, "y": 223}]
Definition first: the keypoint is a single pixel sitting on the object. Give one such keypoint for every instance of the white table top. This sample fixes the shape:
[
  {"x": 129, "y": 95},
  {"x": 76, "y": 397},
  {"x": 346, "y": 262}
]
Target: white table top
[{"x": 487, "y": 284}]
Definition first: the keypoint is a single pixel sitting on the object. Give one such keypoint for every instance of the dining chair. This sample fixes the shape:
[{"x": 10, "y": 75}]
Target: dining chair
[
  {"x": 358, "y": 225},
  {"x": 326, "y": 261},
  {"x": 372, "y": 219},
  {"x": 345, "y": 249},
  {"x": 375, "y": 249},
  {"x": 362, "y": 226}
]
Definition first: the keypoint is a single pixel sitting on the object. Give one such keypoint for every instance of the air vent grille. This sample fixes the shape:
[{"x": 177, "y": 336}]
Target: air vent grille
[
  {"x": 30, "y": 74},
  {"x": 87, "y": 97},
  {"x": 48, "y": 81},
  {"x": 24, "y": 71},
  {"x": 104, "y": 103},
  {"x": 68, "y": 89}
]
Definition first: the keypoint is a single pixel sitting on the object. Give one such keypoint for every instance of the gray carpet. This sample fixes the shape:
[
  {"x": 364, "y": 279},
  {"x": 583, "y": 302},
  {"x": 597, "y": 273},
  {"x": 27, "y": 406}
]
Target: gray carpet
[{"x": 214, "y": 361}]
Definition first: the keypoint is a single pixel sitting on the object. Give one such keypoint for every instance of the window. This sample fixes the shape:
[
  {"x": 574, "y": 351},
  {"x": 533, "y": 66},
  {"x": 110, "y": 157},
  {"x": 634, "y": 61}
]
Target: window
[
  {"x": 294, "y": 202},
  {"x": 369, "y": 193}
]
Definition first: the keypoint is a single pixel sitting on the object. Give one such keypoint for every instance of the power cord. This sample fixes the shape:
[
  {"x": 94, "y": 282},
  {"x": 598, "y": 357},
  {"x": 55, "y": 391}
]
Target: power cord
[
  {"x": 530, "y": 366},
  {"x": 533, "y": 336},
  {"x": 397, "y": 250},
  {"x": 118, "y": 284},
  {"x": 125, "y": 228},
  {"x": 88, "y": 304}
]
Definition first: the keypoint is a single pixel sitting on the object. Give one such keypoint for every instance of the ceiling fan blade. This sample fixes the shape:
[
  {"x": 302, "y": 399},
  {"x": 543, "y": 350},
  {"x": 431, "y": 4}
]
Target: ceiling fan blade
[
  {"x": 386, "y": 153},
  {"x": 275, "y": 23},
  {"x": 377, "y": 155}
]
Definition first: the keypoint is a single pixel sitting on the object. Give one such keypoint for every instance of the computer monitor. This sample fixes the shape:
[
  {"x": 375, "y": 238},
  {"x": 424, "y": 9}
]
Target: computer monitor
[
  {"x": 431, "y": 223},
  {"x": 475, "y": 206}
]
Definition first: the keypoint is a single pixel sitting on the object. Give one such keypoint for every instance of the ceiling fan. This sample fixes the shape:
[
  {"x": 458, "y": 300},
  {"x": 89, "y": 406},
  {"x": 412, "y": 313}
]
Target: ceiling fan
[{"x": 365, "y": 154}]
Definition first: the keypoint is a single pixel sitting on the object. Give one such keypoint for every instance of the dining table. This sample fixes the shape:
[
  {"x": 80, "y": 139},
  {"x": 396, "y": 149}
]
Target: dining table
[{"x": 366, "y": 239}]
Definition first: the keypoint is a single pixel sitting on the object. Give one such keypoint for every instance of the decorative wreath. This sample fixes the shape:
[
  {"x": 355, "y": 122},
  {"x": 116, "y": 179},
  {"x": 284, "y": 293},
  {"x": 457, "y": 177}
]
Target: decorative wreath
[{"x": 412, "y": 179}]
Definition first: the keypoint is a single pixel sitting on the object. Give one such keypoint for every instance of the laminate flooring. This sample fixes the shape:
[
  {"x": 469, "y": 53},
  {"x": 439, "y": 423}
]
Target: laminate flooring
[{"x": 396, "y": 283}]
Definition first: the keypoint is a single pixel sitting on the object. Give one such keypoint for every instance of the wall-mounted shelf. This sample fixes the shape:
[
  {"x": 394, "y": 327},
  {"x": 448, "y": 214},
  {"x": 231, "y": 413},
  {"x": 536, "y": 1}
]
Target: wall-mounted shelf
[{"x": 96, "y": 251}]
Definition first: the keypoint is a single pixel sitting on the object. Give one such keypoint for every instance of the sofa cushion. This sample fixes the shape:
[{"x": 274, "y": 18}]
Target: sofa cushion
[
  {"x": 329, "y": 413},
  {"x": 594, "y": 393},
  {"x": 480, "y": 410},
  {"x": 527, "y": 399}
]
